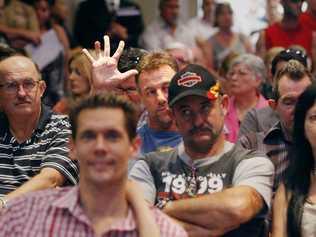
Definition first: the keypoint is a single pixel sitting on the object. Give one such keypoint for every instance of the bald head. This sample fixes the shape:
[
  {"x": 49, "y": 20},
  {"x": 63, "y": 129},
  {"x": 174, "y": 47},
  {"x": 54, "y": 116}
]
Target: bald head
[
  {"x": 20, "y": 88},
  {"x": 18, "y": 63}
]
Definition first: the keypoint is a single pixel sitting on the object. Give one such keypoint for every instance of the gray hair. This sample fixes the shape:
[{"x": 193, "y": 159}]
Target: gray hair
[{"x": 254, "y": 63}]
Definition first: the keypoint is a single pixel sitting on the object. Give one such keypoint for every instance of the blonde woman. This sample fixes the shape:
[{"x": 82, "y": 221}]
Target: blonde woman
[{"x": 79, "y": 81}]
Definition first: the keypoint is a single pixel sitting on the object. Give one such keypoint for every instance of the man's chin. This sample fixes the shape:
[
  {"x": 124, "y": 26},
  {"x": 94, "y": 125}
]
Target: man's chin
[
  {"x": 165, "y": 123},
  {"x": 202, "y": 146},
  {"x": 164, "y": 119}
]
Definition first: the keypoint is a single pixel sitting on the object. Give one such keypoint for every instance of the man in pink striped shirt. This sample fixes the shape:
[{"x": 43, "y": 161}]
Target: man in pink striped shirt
[{"x": 104, "y": 203}]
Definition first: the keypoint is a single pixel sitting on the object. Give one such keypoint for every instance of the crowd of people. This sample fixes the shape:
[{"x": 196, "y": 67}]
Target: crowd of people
[{"x": 165, "y": 130}]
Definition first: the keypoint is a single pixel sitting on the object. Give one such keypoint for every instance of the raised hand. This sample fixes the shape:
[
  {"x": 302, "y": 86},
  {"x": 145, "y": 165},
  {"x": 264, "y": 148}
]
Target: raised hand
[{"x": 105, "y": 75}]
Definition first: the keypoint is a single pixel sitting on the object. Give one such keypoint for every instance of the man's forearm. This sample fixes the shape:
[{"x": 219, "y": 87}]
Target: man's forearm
[
  {"x": 47, "y": 178},
  {"x": 195, "y": 230},
  {"x": 219, "y": 212}
]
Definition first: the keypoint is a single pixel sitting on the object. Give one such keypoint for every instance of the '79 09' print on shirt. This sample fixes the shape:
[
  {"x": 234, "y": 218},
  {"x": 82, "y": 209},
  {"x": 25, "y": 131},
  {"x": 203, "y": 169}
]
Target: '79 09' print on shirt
[{"x": 178, "y": 183}]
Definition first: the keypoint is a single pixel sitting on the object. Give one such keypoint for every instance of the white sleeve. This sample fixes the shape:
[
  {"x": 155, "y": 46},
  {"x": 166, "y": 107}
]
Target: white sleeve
[
  {"x": 140, "y": 172},
  {"x": 149, "y": 40},
  {"x": 258, "y": 173}
]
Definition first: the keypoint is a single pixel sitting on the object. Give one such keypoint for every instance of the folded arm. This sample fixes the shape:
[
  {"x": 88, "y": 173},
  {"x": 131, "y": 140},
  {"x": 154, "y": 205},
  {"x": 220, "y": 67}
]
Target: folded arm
[{"x": 229, "y": 208}]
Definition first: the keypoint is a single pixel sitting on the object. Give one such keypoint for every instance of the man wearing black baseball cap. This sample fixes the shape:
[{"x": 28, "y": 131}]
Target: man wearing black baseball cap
[{"x": 211, "y": 186}]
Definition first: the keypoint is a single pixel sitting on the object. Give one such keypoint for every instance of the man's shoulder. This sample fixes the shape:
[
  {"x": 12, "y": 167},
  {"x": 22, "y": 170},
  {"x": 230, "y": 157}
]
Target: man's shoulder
[
  {"x": 60, "y": 118},
  {"x": 57, "y": 122},
  {"x": 160, "y": 156},
  {"x": 156, "y": 26},
  {"x": 240, "y": 151},
  {"x": 42, "y": 199},
  {"x": 166, "y": 225},
  {"x": 252, "y": 140},
  {"x": 274, "y": 27}
]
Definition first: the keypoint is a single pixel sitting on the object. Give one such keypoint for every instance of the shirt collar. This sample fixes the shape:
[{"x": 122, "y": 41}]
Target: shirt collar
[
  {"x": 45, "y": 116},
  {"x": 163, "y": 24},
  {"x": 43, "y": 120},
  {"x": 277, "y": 131},
  {"x": 203, "y": 161},
  {"x": 71, "y": 201}
]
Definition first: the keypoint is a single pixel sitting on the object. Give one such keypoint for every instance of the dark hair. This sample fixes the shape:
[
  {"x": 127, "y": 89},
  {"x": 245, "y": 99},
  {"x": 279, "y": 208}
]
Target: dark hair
[
  {"x": 219, "y": 9},
  {"x": 7, "y": 52},
  {"x": 286, "y": 55},
  {"x": 49, "y": 23},
  {"x": 108, "y": 100},
  {"x": 130, "y": 59},
  {"x": 162, "y": 4},
  {"x": 301, "y": 163},
  {"x": 294, "y": 70}
]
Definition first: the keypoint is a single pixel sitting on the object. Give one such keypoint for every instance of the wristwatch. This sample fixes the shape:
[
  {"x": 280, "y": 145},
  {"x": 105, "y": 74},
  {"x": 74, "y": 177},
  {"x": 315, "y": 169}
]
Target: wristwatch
[{"x": 3, "y": 202}]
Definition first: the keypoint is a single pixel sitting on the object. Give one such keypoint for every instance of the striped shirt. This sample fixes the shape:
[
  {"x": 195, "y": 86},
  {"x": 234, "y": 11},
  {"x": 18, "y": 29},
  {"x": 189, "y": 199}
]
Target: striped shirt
[
  {"x": 47, "y": 147},
  {"x": 275, "y": 144},
  {"x": 57, "y": 212}
]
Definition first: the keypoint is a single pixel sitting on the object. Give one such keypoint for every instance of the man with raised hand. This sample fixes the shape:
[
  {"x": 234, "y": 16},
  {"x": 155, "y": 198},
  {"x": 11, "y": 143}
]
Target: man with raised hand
[{"x": 156, "y": 129}]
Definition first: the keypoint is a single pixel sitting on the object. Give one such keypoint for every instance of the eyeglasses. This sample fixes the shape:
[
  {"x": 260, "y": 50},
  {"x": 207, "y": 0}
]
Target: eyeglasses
[
  {"x": 241, "y": 73},
  {"x": 13, "y": 87},
  {"x": 128, "y": 90},
  {"x": 288, "y": 102}
]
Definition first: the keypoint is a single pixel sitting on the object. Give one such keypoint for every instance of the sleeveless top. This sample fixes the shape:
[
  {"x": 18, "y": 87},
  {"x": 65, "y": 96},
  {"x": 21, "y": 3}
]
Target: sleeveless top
[
  {"x": 309, "y": 220},
  {"x": 220, "y": 52}
]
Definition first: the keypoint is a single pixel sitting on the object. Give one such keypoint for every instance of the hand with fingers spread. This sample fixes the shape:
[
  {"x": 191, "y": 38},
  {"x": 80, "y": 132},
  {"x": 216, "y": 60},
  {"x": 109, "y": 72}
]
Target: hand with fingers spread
[{"x": 105, "y": 75}]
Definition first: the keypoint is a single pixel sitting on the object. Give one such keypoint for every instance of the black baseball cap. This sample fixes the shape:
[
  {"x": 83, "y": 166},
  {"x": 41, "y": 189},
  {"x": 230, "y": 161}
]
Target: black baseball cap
[
  {"x": 287, "y": 55},
  {"x": 191, "y": 80}
]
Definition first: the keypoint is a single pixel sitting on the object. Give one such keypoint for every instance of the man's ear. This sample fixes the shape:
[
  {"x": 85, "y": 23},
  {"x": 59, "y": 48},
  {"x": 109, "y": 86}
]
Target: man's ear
[
  {"x": 135, "y": 146},
  {"x": 42, "y": 86},
  {"x": 72, "y": 149},
  {"x": 272, "y": 103},
  {"x": 172, "y": 116},
  {"x": 224, "y": 104}
]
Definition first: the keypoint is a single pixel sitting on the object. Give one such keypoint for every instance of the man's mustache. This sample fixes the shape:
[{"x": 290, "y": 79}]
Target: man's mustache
[
  {"x": 23, "y": 101},
  {"x": 200, "y": 129}
]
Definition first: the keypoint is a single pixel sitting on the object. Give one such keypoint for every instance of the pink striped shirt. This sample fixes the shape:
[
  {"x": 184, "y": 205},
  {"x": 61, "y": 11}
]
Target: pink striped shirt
[
  {"x": 58, "y": 213},
  {"x": 232, "y": 122}
]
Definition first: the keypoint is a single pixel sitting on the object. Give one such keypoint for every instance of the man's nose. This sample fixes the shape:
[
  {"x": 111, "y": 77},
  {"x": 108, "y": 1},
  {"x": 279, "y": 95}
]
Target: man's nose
[
  {"x": 162, "y": 97},
  {"x": 100, "y": 144},
  {"x": 21, "y": 91},
  {"x": 198, "y": 119}
]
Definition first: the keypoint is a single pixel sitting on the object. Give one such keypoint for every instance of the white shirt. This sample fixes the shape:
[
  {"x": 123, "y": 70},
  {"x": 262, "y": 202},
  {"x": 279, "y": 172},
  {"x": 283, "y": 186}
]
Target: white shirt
[
  {"x": 158, "y": 35},
  {"x": 199, "y": 28}
]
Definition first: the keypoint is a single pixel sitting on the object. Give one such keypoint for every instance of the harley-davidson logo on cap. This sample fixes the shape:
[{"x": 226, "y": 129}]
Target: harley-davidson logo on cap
[{"x": 189, "y": 79}]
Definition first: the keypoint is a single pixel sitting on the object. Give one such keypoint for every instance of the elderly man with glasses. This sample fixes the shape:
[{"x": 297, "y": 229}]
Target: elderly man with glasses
[{"x": 33, "y": 140}]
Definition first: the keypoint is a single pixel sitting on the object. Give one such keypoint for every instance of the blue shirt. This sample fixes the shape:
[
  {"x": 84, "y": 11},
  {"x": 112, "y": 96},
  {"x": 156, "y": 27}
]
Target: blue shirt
[{"x": 156, "y": 140}]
